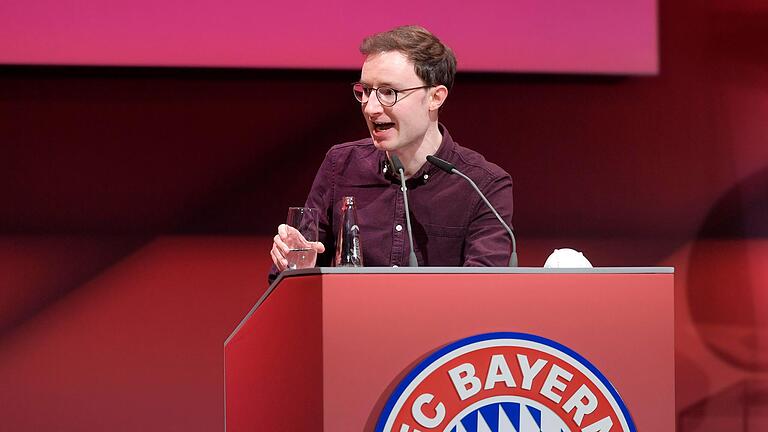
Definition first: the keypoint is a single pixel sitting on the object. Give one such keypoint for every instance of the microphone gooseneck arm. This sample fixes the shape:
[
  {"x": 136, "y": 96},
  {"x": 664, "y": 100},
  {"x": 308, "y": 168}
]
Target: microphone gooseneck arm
[
  {"x": 450, "y": 169},
  {"x": 412, "y": 261}
]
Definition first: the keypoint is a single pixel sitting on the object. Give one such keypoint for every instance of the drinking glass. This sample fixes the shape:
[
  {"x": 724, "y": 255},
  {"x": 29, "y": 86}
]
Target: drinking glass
[{"x": 302, "y": 229}]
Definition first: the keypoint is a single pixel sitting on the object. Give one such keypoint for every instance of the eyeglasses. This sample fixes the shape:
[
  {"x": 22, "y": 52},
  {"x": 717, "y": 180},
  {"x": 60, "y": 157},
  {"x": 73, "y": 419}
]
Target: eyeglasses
[{"x": 387, "y": 96}]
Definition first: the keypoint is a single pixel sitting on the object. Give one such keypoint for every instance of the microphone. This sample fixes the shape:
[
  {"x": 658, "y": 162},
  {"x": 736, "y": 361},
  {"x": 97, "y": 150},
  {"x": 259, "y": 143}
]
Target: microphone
[
  {"x": 412, "y": 262},
  {"x": 450, "y": 169}
]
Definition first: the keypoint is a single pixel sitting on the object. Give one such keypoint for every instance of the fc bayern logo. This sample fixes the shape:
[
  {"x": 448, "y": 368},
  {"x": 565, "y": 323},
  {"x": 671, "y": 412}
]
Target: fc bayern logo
[{"x": 506, "y": 382}]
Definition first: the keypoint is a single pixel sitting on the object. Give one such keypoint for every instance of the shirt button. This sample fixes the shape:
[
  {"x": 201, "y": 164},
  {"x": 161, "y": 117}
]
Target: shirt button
[
  {"x": 398, "y": 227},
  {"x": 394, "y": 266},
  {"x": 426, "y": 176}
]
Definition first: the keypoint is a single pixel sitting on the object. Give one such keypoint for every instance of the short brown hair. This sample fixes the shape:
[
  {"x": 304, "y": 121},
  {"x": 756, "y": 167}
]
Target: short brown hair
[{"x": 433, "y": 61}]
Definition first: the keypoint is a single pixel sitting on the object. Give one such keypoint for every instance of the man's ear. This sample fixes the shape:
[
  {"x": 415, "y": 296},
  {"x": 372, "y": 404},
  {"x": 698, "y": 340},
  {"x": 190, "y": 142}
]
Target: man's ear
[{"x": 439, "y": 95}]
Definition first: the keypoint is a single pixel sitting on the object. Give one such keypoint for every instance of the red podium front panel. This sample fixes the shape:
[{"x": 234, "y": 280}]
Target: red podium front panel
[{"x": 326, "y": 351}]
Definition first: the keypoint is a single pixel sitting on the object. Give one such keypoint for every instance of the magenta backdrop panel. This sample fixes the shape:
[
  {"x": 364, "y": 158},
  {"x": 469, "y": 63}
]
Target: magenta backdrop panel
[{"x": 600, "y": 36}]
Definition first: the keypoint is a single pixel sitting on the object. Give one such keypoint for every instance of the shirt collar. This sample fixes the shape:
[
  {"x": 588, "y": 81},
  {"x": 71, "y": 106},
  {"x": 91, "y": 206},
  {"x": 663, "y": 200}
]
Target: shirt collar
[{"x": 427, "y": 170}]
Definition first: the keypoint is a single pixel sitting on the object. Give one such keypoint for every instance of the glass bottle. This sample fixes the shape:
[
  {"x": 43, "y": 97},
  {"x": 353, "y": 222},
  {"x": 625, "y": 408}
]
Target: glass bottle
[{"x": 349, "y": 248}]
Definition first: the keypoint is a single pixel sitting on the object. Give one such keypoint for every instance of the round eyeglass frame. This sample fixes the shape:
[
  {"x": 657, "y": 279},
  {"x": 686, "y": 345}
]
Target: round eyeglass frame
[{"x": 378, "y": 96}]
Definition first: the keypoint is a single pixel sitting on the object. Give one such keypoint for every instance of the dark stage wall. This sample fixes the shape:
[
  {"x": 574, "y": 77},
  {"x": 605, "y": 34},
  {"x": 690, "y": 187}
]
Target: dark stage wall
[{"x": 137, "y": 207}]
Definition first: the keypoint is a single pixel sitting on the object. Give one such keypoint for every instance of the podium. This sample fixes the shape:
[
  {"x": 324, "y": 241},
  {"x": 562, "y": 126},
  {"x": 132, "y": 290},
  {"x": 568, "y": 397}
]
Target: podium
[{"x": 329, "y": 348}]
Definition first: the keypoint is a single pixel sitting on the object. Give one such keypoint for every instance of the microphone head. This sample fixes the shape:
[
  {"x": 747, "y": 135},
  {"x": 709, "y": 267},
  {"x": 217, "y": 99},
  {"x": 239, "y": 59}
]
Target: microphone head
[
  {"x": 396, "y": 164},
  {"x": 443, "y": 165}
]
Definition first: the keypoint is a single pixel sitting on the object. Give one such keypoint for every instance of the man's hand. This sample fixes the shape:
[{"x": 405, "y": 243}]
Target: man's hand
[{"x": 288, "y": 235}]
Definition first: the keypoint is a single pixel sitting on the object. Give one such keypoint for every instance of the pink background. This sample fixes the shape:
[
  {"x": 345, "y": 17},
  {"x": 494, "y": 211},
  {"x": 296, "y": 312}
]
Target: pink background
[{"x": 601, "y": 36}]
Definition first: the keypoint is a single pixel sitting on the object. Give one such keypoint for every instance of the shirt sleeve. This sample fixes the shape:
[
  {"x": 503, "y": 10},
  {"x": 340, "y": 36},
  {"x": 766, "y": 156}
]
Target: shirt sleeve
[{"x": 487, "y": 243}]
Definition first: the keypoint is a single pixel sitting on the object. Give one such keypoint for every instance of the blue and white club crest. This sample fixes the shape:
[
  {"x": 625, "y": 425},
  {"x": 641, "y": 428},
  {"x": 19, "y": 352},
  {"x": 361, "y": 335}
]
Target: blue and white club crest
[{"x": 505, "y": 382}]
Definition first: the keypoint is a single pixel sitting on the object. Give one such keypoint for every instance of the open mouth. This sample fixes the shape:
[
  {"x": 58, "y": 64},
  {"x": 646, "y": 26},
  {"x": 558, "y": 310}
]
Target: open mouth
[{"x": 381, "y": 126}]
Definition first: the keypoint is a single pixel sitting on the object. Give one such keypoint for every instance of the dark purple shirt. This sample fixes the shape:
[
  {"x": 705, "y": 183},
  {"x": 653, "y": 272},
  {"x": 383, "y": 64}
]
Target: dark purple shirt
[{"x": 451, "y": 225}]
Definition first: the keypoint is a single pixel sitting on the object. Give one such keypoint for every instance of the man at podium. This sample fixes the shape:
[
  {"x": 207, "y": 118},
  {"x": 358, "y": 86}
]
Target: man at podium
[{"x": 405, "y": 80}]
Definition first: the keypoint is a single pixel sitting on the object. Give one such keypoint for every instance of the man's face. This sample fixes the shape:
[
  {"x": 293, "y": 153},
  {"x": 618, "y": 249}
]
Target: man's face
[{"x": 402, "y": 126}]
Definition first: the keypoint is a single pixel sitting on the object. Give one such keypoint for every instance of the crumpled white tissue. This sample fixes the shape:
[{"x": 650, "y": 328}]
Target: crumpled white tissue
[{"x": 567, "y": 258}]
